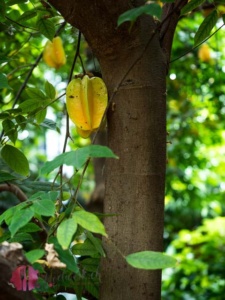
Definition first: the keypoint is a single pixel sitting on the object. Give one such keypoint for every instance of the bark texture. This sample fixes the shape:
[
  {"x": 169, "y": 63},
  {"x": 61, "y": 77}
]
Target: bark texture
[{"x": 134, "y": 67}]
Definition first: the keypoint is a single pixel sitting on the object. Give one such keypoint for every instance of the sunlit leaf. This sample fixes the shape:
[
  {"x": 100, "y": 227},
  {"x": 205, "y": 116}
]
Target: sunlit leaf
[
  {"x": 46, "y": 27},
  {"x": 89, "y": 221},
  {"x": 65, "y": 232},
  {"x": 44, "y": 207},
  {"x": 206, "y": 27},
  {"x": 77, "y": 158},
  {"x": 20, "y": 218},
  {"x": 30, "y": 105},
  {"x": 27, "y": 15},
  {"x": 150, "y": 260},
  {"x": 50, "y": 90},
  {"x": 15, "y": 159},
  {"x": 34, "y": 255},
  {"x": 36, "y": 94},
  {"x": 40, "y": 116}
]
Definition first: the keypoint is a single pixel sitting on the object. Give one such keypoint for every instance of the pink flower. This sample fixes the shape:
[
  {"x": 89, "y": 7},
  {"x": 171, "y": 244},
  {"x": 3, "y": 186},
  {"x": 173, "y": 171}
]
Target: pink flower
[{"x": 24, "y": 278}]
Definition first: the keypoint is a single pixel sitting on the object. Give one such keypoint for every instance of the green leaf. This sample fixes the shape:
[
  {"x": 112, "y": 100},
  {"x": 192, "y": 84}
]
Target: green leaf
[
  {"x": 4, "y": 176},
  {"x": 191, "y": 6},
  {"x": 85, "y": 249},
  {"x": 44, "y": 207},
  {"x": 92, "y": 284},
  {"x": 13, "y": 2},
  {"x": 90, "y": 264},
  {"x": 21, "y": 237},
  {"x": 96, "y": 242},
  {"x": 2, "y": 10},
  {"x": 10, "y": 130},
  {"x": 4, "y": 82},
  {"x": 46, "y": 27},
  {"x": 21, "y": 121},
  {"x": 77, "y": 158},
  {"x": 15, "y": 159},
  {"x": 4, "y": 115},
  {"x": 65, "y": 232},
  {"x": 65, "y": 256},
  {"x": 50, "y": 90},
  {"x": 7, "y": 215},
  {"x": 131, "y": 15},
  {"x": 223, "y": 17},
  {"x": 40, "y": 116},
  {"x": 27, "y": 15},
  {"x": 37, "y": 94},
  {"x": 89, "y": 221},
  {"x": 206, "y": 27},
  {"x": 34, "y": 255},
  {"x": 20, "y": 218},
  {"x": 30, "y": 227},
  {"x": 3, "y": 59},
  {"x": 150, "y": 260},
  {"x": 47, "y": 123},
  {"x": 30, "y": 105}
]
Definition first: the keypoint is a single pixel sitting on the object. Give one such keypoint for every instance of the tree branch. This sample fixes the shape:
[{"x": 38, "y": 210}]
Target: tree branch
[
  {"x": 170, "y": 18},
  {"x": 12, "y": 188}
]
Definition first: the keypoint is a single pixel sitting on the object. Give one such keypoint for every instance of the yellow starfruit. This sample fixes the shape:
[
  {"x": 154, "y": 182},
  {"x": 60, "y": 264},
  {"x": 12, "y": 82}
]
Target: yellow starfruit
[
  {"x": 86, "y": 101},
  {"x": 54, "y": 55},
  {"x": 204, "y": 53}
]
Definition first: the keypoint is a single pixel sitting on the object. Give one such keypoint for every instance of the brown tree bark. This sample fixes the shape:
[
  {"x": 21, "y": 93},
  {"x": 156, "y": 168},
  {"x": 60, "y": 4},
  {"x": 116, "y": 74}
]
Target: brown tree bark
[{"x": 134, "y": 67}]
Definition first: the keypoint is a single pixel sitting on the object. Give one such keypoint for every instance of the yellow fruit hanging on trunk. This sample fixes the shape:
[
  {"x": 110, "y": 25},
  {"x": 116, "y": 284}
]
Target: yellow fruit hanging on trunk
[
  {"x": 204, "y": 53},
  {"x": 54, "y": 55},
  {"x": 86, "y": 101}
]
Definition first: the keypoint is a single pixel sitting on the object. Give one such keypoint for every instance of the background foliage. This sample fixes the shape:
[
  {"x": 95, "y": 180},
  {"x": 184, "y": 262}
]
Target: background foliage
[{"x": 194, "y": 216}]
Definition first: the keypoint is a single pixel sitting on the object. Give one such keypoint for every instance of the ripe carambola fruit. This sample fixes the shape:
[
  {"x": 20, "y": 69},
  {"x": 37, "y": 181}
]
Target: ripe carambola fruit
[
  {"x": 54, "y": 54},
  {"x": 204, "y": 53},
  {"x": 86, "y": 101}
]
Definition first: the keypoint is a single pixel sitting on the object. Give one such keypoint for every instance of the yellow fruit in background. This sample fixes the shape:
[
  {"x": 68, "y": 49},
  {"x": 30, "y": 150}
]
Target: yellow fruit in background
[
  {"x": 204, "y": 53},
  {"x": 54, "y": 55},
  {"x": 86, "y": 101}
]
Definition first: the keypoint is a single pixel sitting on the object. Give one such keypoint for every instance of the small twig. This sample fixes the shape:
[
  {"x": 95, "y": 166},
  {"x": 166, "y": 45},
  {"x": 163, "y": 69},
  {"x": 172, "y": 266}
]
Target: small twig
[
  {"x": 75, "y": 57},
  {"x": 195, "y": 47},
  {"x": 21, "y": 25},
  {"x": 18, "y": 68},
  {"x": 67, "y": 136},
  {"x": 81, "y": 62},
  {"x": 79, "y": 185}
]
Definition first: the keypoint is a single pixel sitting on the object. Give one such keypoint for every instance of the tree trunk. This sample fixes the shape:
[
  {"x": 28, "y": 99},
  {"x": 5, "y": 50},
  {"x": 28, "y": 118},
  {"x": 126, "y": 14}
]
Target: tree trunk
[
  {"x": 135, "y": 183},
  {"x": 134, "y": 69}
]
